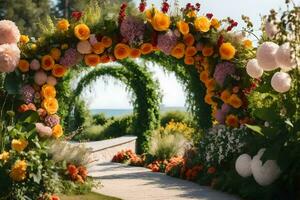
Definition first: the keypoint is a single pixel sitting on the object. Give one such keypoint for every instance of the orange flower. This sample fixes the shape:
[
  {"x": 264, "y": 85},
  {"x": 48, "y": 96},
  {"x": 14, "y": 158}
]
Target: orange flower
[
  {"x": 150, "y": 13},
  {"x": 160, "y": 21},
  {"x": 18, "y": 170},
  {"x": 248, "y": 44},
  {"x": 57, "y": 131},
  {"x": 24, "y": 39},
  {"x": 183, "y": 27},
  {"x": 47, "y": 62},
  {"x": 211, "y": 170},
  {"x": 225, "y": 96},
  {"x": 55, "y": 53},
  {"x": 146, "y": 48},
  {"x": 92, "y": 59},
  {"x": 208, "y": 99},
  {"x": 210, "y": 84},
  {"x": 59, "y": 71},
  {"x": 19, "y": 145},
  {"x": 135, "y": 53},
  {"x": 121, "y": 51},
  {"x": 215, "y": 23},
  {"x": 188, "y": 60},
  {"x": 106, "y": 41},
  {"x": 104, "y": 59},
  {"x": 178, "y": 51},
  {"x": 204, "y": 76},
  {"x": 82, "y": 31},
  {"x": 190, "y": 51},
  {"x": 189, "y": 39},
  {"x": 63, "y": 25},
  {"x": 227, "y": 51},
  {"x": 191, "y": 14},
  {"x": 23, "y": 65},
  {"x": 48, "y": 91},
  {"x": 232, "y": 120},
  {"x": 50, "y": 105},
  {"x": 235, "y": 101},
  {"x": 98, "y": 48},
  {"x": 207, "y": 51},
  {"x": 202, "y": 24}
]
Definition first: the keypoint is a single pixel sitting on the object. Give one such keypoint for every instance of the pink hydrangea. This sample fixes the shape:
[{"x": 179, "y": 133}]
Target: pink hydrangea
[
  {"x": 132, "y": 29},
  {"x": 27, "y": 93},
  {"x": 9, "y": 57},
  {"x": 70, "y": 58},
  {"x": 43, "y": 131},
  {"x": 51, "y": 120},
  {"x": 40, "y": 77},
  {"x": 222, "y": 71},
  {"x": 166, "y": 42},
  {"x": 9, "y": 32}
]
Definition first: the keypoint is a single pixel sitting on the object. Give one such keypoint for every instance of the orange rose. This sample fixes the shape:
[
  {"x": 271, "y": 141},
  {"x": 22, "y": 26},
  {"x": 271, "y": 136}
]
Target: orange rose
[
  {"x": 207, "y": 51},
  {"x": 202, "y": 24},
  {"x": 146, "y": 48},
  {"x": 57, "y": 131},
  {"x": 135, "y": 53},
  {"x": 59, "y": 71},
  {"x": 235, "y": 101},
  {"x": 225, "y": 96},
  {"x": 227, "y": 51},
  {"x": 82, "y": 31},
  {"x": 178, "y": 51},
  {"x": 23, "y": 65},
  {"x": 121, "y": 51},
  {"x": 47, "y": 62},
  {"x": 55, "y": 53},
  {"x": 48, "y": 91},
  {"x": 63, "y": 25},
  {"x": 107, "y": 41},
  {"x": 232, "y": 120},
  {"x": 189, "y": 39},
  {"x": 104, "y": 59},
  {"x": 210, "y": 84},
  {"x": 188, "y": 60},
  {"x": 50, "y": 105},
  {"x": 208, "y": 99},
  {"x": 92, "y": 59},
  {"x": 98, "y": 48},
  {"x": 150, "y": 13},
  {"x": 183, "y": 27},
  {"x": 204, "y": 76},
  {"x": 190, "y": 51},
  {"x": 160, "y": 21}
]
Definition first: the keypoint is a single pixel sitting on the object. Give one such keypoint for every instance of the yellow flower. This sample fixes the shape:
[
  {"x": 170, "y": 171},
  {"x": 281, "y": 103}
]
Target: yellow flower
[
  {"x": 19, "y": 145},
  {"x": 202, "y": 24},
  {"x": 183, "y": 27},
  {"x": 191, "y": 14},
  {"x": 178, "y": 51},
  {"x": 18, "y": 170},
  {"x": 232, "y": 120},
  {"x": 50, "y": 105},
  {"x": 24, "y": 39},
  {"x": 150, "y": 13},
  {"x": 235, "y": 101},
  {"x": 160, "y": 21},
  {"x": 227, "y": 51},
  {"x": 63, "y": 25},
  {"x": 121, "y": 51},
  {"x": 55, "y": 53},
  {"x": 48, "y": 91},
  {"x": 82, "y": 31},
  {"x": 23, "y": 65},
  {"x": 59, "y": 71},
  {"x": 225, "y": 96},
  {"x": 248, "y": 44},
  {"x": 47, "y": 62},
  {"x": 4, "y": 156},
  {"x": 215, "y": 23},
  {"x": 64, "y": 46},
  {"x": 57, "y": 131},
  {"x": 33, "y": 47}
]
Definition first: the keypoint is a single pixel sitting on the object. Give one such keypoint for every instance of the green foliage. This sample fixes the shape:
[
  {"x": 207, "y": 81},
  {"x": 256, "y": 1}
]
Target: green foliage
[
  {"x": 176, "y": 116},
  {"x": 100, "y": 119}
]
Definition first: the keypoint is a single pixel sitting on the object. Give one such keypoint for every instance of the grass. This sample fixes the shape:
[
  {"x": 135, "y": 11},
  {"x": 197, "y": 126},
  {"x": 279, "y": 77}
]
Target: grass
[{"x": 89, "y": 196}]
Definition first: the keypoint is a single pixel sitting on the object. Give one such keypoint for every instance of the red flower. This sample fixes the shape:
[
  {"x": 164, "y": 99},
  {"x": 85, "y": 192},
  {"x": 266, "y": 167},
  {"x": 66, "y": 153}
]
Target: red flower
[
  {"x": 54, "y": 197},
  {"x": 211, "y": 170},
  {"x": 73, "y": 171},
  {"x": 76, "y": 15},
  {"x": 142, "y": 5},
  {"x": 209, "y": 15},
  {"x": 82, "y": 171}
]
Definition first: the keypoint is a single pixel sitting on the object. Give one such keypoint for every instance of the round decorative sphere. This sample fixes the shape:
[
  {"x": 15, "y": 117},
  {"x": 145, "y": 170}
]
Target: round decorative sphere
[
  {"x": 266, "y": 56},
  {"x": 243, "y": 165},
  {"x": 281, "y": 82},
  {"x": 253, "y": 69},
  {"x": 283, "y": 57}
]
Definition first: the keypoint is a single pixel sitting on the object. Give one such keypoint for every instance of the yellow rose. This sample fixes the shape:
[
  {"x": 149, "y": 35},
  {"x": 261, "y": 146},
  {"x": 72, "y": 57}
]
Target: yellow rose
[
  {"x": 215, "y": 23},
  {"x": 160, "y": 21},
  {"x": 24, "y": 39},
  {"x": 48, "y": 91},
  {"x": 227, "y": 51},
  {"x": 202, "y": 24},
  {"x": 183, "y": 27},
  {"x": 18, "y": 170},
  {"x": 63, "y": 25},
  {"x": 82, "y": 32},
  {"x": 19, "y": 145},
  {"x": 4, "y": 156},
  {"x": 50, "y": 105},
  {"x": 57, "y": 131}
]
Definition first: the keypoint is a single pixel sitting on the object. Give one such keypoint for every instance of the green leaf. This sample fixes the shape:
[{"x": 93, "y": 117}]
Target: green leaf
[
  {"x": 36, "y": 177},
  {"x": 267, "y": 114},
  {"x": 256, "y": 129},
  {"x": 29, "y": 117}
]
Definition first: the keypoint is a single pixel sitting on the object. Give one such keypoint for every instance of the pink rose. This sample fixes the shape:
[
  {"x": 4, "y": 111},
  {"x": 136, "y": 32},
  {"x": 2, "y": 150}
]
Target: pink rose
[
  {"x": 35, "y": 65},
  {"x": 43, "y": 131},
  {"x": 84, "y": 47},
  {"x": 9, "y": 57},
  {"x": 51, "y": 80},
  {"x": 9, "y": 32},
  {"x": 40, "y": 77}
]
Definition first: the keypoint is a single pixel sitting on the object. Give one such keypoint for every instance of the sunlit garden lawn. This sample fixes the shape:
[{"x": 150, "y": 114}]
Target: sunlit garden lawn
[{"x": 90, "y": 196}]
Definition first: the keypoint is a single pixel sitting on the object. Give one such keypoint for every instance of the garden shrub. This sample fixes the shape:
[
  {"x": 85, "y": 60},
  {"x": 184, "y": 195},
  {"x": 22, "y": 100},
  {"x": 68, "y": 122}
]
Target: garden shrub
[
  {"x": 175, "y": 116},
  {"x": 100, "y": 119}
]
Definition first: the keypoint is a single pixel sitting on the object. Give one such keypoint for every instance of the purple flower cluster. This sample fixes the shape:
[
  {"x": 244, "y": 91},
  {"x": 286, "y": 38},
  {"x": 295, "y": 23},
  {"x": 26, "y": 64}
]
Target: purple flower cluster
[
  {"x": 51, "y": 120},
  {"x": 70, "y": 58},
  {"x": 166, "y": 42},
  {"x": 222, "y": 71},
  {"x": 132, "y": 29},
  {"x": 27, "y": 93},
  {"x": 221, "y": 113}
]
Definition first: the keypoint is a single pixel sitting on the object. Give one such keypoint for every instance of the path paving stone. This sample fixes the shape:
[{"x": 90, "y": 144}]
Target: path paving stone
[{"x": 137, "y": 183}]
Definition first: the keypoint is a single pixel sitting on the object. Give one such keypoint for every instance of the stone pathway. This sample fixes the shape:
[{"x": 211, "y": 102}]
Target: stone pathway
[{"x": 137, "y": 183}]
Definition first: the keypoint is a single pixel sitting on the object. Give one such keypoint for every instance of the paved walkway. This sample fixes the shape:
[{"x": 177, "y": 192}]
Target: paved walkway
[{"x": 137, "y": 183}]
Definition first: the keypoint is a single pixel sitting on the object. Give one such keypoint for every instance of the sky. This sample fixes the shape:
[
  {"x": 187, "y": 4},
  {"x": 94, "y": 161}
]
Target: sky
[{"x": 112, "y": 94}]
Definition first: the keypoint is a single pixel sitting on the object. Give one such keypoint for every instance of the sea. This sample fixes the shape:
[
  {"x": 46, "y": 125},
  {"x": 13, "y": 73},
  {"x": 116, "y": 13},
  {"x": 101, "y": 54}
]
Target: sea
[{"x": 122, "y": 112}]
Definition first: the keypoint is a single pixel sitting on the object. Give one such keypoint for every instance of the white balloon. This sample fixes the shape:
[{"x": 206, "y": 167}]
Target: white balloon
[
  {"x": 243, "y": 165},
  {"x": 281, "y": 82},
  {"x": 283, "y": 57},
  {"x": 265, "y": 55},
  {"x": 253, "y": 69},
  {"x": 270, "y": 29}
]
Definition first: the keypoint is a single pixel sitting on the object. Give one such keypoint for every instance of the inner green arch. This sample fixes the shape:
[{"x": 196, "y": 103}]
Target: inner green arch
[{"x": 146, "y": 99}]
